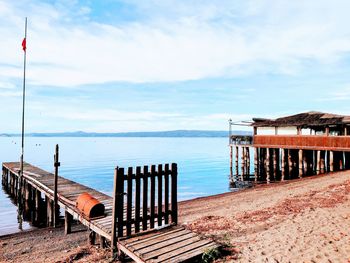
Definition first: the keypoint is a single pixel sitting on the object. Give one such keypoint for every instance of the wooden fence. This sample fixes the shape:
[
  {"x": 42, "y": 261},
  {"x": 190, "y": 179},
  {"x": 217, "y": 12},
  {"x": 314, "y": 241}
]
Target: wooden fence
[{"x": 143, "y": 199}]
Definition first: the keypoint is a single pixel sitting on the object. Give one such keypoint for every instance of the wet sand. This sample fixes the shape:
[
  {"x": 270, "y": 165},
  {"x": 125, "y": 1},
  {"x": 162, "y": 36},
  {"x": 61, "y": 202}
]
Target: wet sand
[{"x": 305, "y": 220}]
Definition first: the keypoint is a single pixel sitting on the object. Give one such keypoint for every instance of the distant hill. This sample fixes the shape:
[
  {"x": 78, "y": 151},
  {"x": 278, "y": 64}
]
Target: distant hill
[{"x": 177, "y": 133}]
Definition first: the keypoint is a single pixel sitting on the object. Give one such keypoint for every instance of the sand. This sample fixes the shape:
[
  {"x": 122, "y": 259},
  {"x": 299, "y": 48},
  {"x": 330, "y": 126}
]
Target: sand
[{"x": 305, "y": 220}]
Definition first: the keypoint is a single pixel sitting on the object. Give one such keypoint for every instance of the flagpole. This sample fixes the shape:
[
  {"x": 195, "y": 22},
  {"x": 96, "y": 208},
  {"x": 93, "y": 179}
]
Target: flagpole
[{"x": 23, "y": 104}]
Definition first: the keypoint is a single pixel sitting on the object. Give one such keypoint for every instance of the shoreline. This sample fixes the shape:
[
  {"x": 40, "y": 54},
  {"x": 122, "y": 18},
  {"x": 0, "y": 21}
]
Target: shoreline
[{"x": 298, "y": 220}]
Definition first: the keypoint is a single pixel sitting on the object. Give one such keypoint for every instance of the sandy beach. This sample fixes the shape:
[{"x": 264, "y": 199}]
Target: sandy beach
[{"x": 305, "y": 220}]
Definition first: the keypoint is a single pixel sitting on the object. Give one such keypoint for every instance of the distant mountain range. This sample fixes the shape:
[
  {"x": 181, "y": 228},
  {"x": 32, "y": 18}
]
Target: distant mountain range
[{"x": 177, "y": 133}]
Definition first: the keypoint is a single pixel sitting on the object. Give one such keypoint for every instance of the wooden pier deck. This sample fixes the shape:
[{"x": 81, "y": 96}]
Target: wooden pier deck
[
  {"x": 169, "y": 243},
  {"x": 68, "y": 191}
]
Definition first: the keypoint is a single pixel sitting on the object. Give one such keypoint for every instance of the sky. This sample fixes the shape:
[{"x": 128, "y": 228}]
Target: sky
[{"x": 155, "y": 65}]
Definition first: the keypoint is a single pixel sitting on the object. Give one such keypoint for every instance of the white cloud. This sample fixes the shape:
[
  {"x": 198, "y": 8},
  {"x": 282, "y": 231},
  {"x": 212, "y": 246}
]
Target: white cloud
[
  {"x": 197, "y": 40},
  {"x": 10, "y": 94}
]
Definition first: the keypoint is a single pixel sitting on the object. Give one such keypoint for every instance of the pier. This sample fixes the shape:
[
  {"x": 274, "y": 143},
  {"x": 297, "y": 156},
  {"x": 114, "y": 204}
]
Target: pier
[
  {"x": 292, "y": 147},
  {"x": 140, "y": 220}
]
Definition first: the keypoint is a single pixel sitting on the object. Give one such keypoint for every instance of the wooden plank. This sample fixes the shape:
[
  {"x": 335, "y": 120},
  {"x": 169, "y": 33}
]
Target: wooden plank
[
  {"x": 164, "y": 242},
  {"x": 137, "y": 199},
  {"x": 190, "y": 254},
  {"x": 129, "y": 201},
  {"x": 145, "y": 198},
  {"x": 169, "y": 247},
  {"x": 157, "y": 239},
  {"x": 142, "y": 237},
  {"x": 174, "y": 193},
  {"x": 120, "y": 200},
  {"x": 181, "y": 251},
  {"x": 128, "y": 253},
  {"x": 166, "y": 194},
  {"x": 153, "y": 194},
  {"x": 160, "y": 194}
]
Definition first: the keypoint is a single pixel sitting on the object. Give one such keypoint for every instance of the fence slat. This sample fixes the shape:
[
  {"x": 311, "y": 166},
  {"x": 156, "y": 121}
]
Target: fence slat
[
  {"x": 129, "y": 202},
  {"x": 137, "y": 199},
  {"x": 166, "y": 194},
  {"x": 145, "y": 198},
  {"x": 160, "y": 194},
  {"x": 174, "y": 193},
  {"x": 114, "y": 213},
  {"x": 153, "y": 194},
  {"x": 120, "y": 200}
]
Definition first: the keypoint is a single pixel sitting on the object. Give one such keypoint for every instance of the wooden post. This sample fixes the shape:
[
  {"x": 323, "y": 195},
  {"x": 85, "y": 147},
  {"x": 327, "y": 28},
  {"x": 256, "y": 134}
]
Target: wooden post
[
  {"x": 67, "y": 223},
  {"x": 153, "y": 196},
  {"x": 231, "y": 157},
  {"x": 37, "y": 199},
  {"x": 55, "y": 202},
  {"x": 248, "y": 161},
  {"x": 322, "y": 162},
  {"x": 49, "y": 211},
  {"x": 145, "y": 198},
  {"x": 137, "y": 198},
  {"x": 174, "y": 193},
  {"x": 318, "y": 162},
  {"x": 237, "y": 157},
  {"x": 166, "y": 194},
  {"x": 92, "y": 237},
  {"x": 341, "y": 161},
  {"x": 117, "y": 211},
  {"x": 160, "y": 195},
  {"x": 331, "y": 161},
  {"x": 283, "y": 164},
  {"x": 129, "y": 201},
  {"x": 102, "y": 241},
  {"x": 301, "y": 170},
  {"x": 290, "y": 164},
  {"x": 274, "y": 156},
  {"x": 256, "y": 164},
  {"x": 305, "y": 162},
  {"x": 242, "y": 163},
  {"x": 268, "y": 165}
]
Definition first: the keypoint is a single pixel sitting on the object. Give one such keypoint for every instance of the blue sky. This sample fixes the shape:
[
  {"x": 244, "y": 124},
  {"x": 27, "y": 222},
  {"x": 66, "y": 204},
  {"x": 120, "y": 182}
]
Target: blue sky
[{"x": 118, "y": 65}]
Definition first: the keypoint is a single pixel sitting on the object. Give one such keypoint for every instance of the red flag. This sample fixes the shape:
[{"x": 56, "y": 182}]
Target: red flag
[{"x": 24, "y": 44}]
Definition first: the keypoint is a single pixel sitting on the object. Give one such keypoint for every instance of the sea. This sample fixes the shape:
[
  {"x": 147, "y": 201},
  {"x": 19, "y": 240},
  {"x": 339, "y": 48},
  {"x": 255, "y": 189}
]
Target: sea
[{"x": 203, "y": 163}]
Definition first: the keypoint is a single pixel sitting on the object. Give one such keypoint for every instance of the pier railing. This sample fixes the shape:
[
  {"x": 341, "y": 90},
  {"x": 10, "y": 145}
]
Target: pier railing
[
  {"x": 308, "y": 142},
  {"x": 148, "y": 197}
]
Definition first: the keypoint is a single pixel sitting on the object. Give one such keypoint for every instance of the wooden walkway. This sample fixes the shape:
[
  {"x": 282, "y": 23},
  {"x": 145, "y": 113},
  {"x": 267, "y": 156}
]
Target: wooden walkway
[
  {"x": 171, "y": 243},
  {"x": 68, "y": 191}
]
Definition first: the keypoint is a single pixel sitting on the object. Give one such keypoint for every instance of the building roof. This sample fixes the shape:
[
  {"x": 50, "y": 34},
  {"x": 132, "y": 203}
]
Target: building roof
[{"x": 306, "y": 119}]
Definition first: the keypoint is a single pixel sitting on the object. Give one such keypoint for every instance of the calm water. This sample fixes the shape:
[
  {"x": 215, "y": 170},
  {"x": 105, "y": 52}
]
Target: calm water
[{"x": 203, "y": 163}]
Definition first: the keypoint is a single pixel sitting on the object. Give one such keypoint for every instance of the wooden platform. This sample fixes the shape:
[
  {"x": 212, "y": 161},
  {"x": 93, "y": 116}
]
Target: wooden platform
[{"x": 170, "y": 244}]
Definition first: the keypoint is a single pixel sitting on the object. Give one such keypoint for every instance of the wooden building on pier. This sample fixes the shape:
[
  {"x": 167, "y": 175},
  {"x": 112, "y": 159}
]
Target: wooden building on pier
[{"x": 294, "y": 146}]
